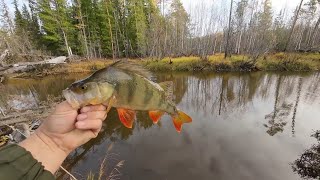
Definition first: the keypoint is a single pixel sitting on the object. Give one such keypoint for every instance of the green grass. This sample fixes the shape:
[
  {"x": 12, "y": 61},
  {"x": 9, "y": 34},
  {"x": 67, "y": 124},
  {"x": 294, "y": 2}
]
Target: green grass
[
  {"x": 215, "y": 63},
  {"x": 271, "y": 62},
  {"x": 290, "y": 62}
]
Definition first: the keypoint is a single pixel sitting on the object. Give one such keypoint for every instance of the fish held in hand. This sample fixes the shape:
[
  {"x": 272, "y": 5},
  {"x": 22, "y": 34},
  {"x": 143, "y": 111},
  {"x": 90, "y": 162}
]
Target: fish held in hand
[{"x": 127, "y": 87}]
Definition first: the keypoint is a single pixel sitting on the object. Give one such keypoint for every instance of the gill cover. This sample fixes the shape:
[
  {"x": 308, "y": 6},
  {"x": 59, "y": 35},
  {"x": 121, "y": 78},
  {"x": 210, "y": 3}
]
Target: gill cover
[{"x": 90, "y": 93}]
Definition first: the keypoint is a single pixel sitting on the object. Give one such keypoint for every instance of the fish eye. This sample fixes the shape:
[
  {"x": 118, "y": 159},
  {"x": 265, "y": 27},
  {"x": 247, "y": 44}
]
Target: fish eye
[{"x": 84, "y": 87}]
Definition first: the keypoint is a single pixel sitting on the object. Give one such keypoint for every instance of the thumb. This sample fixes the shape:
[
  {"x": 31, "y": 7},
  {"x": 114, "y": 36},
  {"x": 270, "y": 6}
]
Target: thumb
[{"x": 64, "y": 107}]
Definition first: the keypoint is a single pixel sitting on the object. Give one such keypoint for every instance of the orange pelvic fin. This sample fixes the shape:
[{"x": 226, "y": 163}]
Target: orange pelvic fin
[
  {"x": 127, "y": 117},
  {"x": 179, "y": 119},
  {"x": 155, "y": 116}
]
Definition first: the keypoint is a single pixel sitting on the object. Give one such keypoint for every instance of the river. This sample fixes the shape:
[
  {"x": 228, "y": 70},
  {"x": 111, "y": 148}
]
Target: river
[{"x": 245, "y": 126}]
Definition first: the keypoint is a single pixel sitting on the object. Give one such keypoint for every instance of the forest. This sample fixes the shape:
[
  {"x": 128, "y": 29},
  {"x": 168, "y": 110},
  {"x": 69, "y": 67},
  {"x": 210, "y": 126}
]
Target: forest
[{"x": 156, "y": 28}]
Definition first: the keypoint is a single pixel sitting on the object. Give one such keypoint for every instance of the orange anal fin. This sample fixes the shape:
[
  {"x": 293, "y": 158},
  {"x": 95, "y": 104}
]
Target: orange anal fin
[
  {"x": 179, "y": 119},
  {"x": 127, "y": 117},
  {"x": 155, "y": 116}
]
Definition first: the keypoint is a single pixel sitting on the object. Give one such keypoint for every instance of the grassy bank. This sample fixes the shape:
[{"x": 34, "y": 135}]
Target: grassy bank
[
  {"x": 215, "y": 63},
  {"x": 274, "y": 62}
]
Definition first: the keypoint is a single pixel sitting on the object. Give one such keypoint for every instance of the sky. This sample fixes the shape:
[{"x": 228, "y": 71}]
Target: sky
[
  {"x": 277, "y": 4},
  {"x": 189, "y": 4}
]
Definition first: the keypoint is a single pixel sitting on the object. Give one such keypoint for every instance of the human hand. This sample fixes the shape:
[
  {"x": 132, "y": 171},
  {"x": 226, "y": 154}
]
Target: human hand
[
  {"x": 68, "y": 129},
  {"x": 62, "y": 132}
]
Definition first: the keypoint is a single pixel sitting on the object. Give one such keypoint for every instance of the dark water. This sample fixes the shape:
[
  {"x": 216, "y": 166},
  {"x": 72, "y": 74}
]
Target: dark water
[{"x": 245, "y": 126}]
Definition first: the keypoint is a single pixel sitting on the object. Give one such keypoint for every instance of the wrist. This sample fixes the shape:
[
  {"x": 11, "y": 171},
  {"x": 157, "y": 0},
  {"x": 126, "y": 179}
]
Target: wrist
[
  {"x": 45, "y": 151},
  {"x": 53, "y": 141}
]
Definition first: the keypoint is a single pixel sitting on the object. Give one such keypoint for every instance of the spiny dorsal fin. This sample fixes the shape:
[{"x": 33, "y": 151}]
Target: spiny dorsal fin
[
  {"x": 167, "y": 86},
  {"x": 133, "y": 68}
]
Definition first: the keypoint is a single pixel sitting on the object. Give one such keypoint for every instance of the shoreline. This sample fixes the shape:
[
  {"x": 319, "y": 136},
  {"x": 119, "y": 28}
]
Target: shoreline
[{"x": 279, "y": 62}]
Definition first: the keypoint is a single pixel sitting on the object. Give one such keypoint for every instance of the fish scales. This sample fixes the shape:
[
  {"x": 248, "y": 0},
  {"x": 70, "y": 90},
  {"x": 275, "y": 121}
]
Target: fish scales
[{"x": 145, "y": 95}]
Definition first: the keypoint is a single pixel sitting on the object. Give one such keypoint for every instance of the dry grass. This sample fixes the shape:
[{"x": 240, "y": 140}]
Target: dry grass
[
  {"x": 114, "y": 174},
  {"x": 290, "y": 62},
  {"x": 82, "y": 67},
  {"x": 271, "y": 62}
]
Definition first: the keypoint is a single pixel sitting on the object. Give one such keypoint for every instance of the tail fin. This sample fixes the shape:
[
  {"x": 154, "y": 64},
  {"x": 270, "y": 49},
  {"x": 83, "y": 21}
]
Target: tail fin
[{"x": 179, "y": 119}]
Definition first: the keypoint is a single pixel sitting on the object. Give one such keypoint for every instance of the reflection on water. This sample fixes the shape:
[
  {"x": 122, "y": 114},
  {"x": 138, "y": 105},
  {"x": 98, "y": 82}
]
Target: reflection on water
[
  {"x": 245, "y": 126},
  {"x": 308, "y": 164},
  {"x": 21, "y": 94}
]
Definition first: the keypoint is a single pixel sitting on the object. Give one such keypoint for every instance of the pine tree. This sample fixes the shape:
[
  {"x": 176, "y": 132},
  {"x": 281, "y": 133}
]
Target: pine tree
[
  {"x": 80, "y": 29},
  {"x": 108, "y": 28},
  {"x": 178, "y": 25},
  {"x": 20, "y": 22},
  {"x": 280, "y": 31},
  {"x": 137, "y": 26},
  {"x": 265, "y": 28},
  {"x": 156, "y": 27},
  {"x": 22, "y": 33},
  {"x": 240, "y": 13},
  {"x": 56, "y": 24},
  {"x": 6, "y": 22},
  {"x": 34, "y": 27}
]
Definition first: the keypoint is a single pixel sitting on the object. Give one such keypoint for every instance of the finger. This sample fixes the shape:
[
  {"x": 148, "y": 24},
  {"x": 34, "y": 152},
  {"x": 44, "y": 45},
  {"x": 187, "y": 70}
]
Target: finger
[
  {"x": 93, "y": 108},
  {"x": 92, "y": 115},
  {"x": 89, "y": 125}
]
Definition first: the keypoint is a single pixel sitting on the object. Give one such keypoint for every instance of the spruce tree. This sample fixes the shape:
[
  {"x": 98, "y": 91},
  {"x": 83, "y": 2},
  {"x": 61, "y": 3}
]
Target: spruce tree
[{"x": 56, "y": 25}]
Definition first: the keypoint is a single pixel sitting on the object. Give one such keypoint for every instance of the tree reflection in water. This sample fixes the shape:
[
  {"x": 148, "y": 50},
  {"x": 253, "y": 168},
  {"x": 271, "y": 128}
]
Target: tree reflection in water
[
  {"x": 213, "y": 96},
  {"x": 308, "y": 164}
]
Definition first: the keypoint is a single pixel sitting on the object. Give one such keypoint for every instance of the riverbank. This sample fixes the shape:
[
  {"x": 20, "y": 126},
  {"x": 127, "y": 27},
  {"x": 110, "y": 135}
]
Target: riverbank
[{"x": 215, "y": 63}]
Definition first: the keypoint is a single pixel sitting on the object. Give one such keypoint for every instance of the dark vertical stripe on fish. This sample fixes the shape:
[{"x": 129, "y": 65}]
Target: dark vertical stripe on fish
[
  {"x": 117, "y": 88},
  {"x": 132, "y": 89},
  {"x": 149, "y": 94},
  {"x": 161, "y": 100},
  {"x": 124, "y": 92}
]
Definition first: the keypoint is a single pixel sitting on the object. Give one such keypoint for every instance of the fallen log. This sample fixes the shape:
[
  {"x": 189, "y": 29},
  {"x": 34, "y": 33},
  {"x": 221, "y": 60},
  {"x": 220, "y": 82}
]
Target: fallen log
[
  {"x": 57, "y": 60},
  {"x": 14, "y": 121},
  {"x": 39, "y": 110},
  {"x": 30, "y": 66}
]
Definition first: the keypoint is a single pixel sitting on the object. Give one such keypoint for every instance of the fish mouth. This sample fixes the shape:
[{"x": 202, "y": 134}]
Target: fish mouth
[{"x": 71, "y": 99}]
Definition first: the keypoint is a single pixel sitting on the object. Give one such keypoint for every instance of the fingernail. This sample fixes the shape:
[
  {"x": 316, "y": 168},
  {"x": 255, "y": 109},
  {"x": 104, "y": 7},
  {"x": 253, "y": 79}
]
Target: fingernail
[
  {"x": 82, "y": 117},
  {"x": 85, "y": 109}
]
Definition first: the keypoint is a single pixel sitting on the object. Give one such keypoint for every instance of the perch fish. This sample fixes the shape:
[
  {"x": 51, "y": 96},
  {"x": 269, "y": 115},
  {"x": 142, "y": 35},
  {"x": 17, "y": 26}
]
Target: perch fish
[{"x": 128, "y": 88}]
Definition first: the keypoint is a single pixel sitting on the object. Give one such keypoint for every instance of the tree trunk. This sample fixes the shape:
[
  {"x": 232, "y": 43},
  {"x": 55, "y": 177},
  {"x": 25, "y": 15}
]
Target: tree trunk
[
  {"x": 293, "y": 25},
  {"x": 310, "y": 42},
  {"x": 226, "y": 54},
  {"x": 110, "y": 31},
  {"x": 296, "y": 106},
  {"x": 82, "y": 30},
  {"x": 66, "y": 42}
]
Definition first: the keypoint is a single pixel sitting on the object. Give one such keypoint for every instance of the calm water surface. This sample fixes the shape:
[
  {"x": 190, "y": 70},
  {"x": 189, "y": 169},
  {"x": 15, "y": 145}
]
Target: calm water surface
[{"x": 245, "y": 126}]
